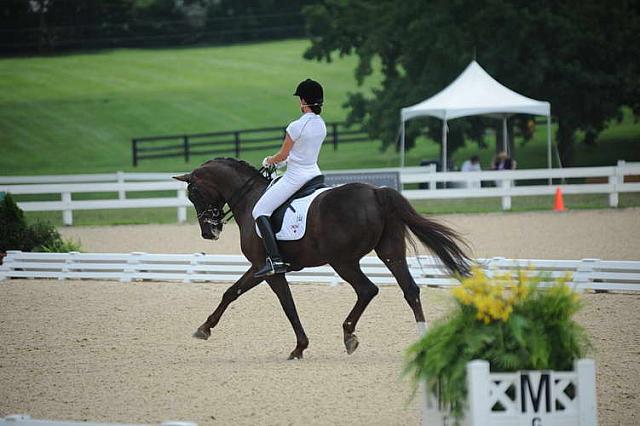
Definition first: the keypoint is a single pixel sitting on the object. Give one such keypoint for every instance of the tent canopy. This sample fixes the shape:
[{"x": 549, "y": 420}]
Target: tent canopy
[{"x": 475, "y": 92}]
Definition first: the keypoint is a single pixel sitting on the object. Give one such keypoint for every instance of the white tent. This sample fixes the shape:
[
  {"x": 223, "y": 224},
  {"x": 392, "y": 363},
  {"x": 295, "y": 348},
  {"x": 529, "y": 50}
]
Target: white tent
[{"x": 475, "y": 92}]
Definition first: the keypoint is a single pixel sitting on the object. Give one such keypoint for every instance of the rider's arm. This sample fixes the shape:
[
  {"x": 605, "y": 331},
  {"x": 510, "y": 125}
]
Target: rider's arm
[{"x": 283, "y": 154}]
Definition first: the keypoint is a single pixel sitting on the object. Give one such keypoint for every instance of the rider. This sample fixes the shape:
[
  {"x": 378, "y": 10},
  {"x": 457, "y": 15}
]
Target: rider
[{"x": 301, "y": 147}]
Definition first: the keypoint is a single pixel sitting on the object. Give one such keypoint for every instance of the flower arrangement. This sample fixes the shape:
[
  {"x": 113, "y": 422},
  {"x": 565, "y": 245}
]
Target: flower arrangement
[{"x": 505, "y": 320}]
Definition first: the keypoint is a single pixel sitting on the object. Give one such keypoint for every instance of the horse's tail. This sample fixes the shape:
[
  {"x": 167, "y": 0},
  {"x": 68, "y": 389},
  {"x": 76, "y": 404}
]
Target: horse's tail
[{"x": 440, "y": 239}]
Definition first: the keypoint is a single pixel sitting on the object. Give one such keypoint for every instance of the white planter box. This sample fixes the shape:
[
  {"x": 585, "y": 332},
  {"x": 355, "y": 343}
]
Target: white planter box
[{"x": 525, "y": 398}]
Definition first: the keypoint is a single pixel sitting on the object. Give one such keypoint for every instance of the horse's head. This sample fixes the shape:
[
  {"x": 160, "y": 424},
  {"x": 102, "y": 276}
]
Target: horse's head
[
  {"x": 218, "y": 182},
  {"x": 208, "y": 203}
]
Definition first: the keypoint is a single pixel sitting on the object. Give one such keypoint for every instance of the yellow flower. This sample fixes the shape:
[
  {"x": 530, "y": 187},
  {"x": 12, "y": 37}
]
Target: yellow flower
[{"x": 493, "y": 298}]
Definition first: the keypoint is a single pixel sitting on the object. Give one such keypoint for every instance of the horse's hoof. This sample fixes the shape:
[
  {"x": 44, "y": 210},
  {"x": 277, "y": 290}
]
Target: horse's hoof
[
  {"x": 201, "y": 334},
  {"x": 295, "y": 355},
  {"x": 351, "y": 343}
]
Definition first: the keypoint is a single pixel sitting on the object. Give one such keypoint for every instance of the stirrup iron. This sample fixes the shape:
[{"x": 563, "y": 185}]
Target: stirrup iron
[{"x": 272, "y": 267}]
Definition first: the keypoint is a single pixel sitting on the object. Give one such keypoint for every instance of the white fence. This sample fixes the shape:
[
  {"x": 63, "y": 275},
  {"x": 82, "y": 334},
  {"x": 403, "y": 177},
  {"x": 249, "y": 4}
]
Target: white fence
[
  {"x": 66, "y": 185},
  {"x": 466, "y": 185},
  {"x": 534, "y": 398},
  {"x": 586, "y": 274},
  {"x": 506, "y": 188},
  {"x": 26, "y": 420}
]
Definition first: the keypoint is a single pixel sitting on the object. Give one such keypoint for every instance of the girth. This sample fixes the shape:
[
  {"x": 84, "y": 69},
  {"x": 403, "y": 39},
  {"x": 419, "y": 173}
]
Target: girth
[{"x": 307, "y": 189}]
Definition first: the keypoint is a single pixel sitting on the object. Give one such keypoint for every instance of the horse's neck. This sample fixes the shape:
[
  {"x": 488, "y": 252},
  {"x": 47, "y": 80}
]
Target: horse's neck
[{"x": 247, "y": 196}]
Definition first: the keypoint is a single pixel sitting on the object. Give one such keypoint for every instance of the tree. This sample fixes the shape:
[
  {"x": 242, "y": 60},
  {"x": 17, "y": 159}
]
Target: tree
[{"x": 581, "y": 55}]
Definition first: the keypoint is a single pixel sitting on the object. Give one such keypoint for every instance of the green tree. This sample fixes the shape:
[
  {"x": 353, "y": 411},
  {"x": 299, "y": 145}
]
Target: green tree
[{"x": 581, "y": 55}]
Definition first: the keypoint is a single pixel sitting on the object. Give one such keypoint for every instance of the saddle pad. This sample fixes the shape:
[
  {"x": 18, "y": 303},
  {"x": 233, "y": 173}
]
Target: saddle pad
[{"x": 295, "y": 219}]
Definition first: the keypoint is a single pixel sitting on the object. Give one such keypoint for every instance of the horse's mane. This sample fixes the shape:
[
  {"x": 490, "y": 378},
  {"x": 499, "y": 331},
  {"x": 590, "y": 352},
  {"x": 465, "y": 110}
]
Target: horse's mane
[{"x": 239, "y": 165}]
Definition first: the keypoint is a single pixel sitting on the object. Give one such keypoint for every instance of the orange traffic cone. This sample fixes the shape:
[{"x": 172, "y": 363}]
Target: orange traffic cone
[{"x": 559, "y": 204}]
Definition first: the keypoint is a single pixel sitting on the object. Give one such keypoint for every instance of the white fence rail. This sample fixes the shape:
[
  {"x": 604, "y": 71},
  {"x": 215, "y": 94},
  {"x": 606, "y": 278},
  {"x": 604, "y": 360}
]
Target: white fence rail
[
  {"x": 466, "y": 185},
  {"x": 26, "y": 420},
  {"x": 586, "y": 273}
]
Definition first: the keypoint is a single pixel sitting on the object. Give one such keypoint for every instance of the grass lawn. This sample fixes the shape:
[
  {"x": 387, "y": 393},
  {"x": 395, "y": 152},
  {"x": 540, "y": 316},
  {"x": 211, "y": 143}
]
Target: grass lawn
[{"x": 78, "y": 112}]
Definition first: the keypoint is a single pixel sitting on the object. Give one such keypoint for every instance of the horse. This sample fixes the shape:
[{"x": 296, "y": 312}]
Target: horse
[{"x": 344, "y": 224}]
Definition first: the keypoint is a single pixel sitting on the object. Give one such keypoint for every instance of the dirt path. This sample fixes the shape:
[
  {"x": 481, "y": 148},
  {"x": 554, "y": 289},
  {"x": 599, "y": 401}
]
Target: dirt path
[
  {"x": 117, "y": 352},
  {"x": 604, "y": 234},
  {"x": 109, "y": 351}
]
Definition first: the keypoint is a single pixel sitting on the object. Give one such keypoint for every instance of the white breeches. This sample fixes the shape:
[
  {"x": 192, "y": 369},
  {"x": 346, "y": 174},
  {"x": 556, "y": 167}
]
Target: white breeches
[{"x": 293, "y": 179}]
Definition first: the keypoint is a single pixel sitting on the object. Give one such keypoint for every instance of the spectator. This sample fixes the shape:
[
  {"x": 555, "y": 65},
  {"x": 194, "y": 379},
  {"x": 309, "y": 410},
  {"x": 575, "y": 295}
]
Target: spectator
[
  {"x": 503, "y": 162},
  {"x": 471, "y": 165}
]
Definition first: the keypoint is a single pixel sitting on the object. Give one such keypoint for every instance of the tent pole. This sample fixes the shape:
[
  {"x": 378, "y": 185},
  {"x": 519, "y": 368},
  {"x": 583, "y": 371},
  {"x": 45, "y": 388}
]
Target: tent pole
[
  {"x": 549, "y": 161},
  {"x": 505, "y": 145},
  {"x": 444, "y": 145},
  {"x": 402, "y": 145}
]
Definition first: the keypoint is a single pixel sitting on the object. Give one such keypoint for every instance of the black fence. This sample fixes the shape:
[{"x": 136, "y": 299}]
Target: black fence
[{"x": 233, "y": 142}]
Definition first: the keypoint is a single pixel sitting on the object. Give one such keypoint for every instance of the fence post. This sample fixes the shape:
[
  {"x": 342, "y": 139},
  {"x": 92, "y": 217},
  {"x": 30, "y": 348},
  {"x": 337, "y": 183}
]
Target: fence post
[
  {"x": 335, "y": 136},
  {"x": 586, "y": 390},
  {"x": 68, "y": 265},
  {"x": 583, "y": 273},
  {"x": 431, "y": 181},
  {"x": 121, "y": 192},
  {"x": 131, "y": 268},
  {"x": 185, "y": 147},
  {"x": 134, "y": 151},
  {"x": 195, "y": 260},
  {"x": 478, "y": 392},
  {"x": 237, "y": 143},
  {"x": 182, "y": 210},
  {"x": 5, "y": 264},
  {"x": 615, "y": 181},
  {"x": 506, "y": 197},
  {"x": 67, "y": 213}
]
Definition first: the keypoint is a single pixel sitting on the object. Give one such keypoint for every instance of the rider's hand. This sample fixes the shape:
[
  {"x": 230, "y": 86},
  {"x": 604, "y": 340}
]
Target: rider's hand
[{"x": 265, "y": 162}]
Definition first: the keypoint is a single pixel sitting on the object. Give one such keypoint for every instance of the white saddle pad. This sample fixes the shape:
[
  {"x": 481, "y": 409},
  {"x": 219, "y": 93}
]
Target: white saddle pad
[{"x": 294, "y": 223}]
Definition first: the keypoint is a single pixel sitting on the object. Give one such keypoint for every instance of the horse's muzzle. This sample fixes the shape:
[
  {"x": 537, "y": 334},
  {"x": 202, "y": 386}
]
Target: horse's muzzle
[{"x": 211, "y": 232}]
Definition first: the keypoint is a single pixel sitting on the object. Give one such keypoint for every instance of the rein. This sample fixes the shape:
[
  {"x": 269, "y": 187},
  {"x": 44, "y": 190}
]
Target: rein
[{"x": 223, "y": 217}]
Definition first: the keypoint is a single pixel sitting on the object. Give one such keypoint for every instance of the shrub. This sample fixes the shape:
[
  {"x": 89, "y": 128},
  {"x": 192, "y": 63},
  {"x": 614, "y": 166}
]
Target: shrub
[
  {"x": 12, "y": 224},
  {"x": 505, "y": 321},
  {"x": 17, "y": 234},
  {"x": 60, "y": 246}
]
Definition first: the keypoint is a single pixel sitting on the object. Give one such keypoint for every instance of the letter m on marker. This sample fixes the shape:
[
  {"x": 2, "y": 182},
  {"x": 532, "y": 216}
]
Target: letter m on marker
[{"x": 527, "y": 386}]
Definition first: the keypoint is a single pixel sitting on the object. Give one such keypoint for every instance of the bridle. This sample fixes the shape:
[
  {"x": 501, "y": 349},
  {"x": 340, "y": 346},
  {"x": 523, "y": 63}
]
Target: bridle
[{"x": 221, "y": 217}]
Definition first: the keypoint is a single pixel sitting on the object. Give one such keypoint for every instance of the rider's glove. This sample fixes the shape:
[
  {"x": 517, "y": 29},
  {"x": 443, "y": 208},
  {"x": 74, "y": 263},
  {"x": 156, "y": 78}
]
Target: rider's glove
[{"x": 265, "y": 162}]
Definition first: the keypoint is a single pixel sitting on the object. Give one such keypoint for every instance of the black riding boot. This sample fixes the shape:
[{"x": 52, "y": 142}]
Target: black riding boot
[{"x": 274, "y": 264}]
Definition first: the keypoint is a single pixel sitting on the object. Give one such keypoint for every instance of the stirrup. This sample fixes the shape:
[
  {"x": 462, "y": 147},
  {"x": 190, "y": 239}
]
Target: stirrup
[{"x": 272, "y": 267}]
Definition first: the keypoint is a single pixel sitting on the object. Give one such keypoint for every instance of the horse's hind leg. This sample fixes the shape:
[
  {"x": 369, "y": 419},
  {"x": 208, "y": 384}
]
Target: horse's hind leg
[
  {"x": 280, "y": 287},
  {"x": 365, "y": 290},
  {"x": 400, "y": 270},
  {"x": 392, "y": 250}
]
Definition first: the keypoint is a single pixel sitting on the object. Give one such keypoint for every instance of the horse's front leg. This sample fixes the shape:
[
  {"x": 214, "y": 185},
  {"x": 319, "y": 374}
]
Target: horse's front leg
[
  {"x": 244, "y": 284},
  {"x": 280, "y": 287}
]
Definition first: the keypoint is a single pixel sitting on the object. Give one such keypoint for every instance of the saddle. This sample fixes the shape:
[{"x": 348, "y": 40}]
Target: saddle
[{"x": 309, "y": 188}]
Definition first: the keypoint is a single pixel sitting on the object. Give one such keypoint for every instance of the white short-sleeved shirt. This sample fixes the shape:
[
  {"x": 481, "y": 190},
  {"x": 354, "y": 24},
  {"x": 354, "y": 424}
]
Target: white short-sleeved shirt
[
  {"x": 468, "y": 166},
  {"x": 308, "y": 133}
]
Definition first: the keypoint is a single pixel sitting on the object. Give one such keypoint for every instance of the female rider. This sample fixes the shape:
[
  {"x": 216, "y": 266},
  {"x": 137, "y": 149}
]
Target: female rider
[{"x": 301, "y": 147}]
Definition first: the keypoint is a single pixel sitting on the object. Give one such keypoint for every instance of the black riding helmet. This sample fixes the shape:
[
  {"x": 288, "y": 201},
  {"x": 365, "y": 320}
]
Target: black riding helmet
[{"x": 311, "y": 91}]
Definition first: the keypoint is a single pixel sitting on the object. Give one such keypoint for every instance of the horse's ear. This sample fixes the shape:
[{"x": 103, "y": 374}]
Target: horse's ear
[{"x": 183, "y": 178}]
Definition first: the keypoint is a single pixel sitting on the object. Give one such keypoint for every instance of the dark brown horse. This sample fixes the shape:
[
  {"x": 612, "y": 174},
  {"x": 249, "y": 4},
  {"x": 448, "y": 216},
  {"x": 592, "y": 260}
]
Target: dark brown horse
[{"x": 343, "y": 225}]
